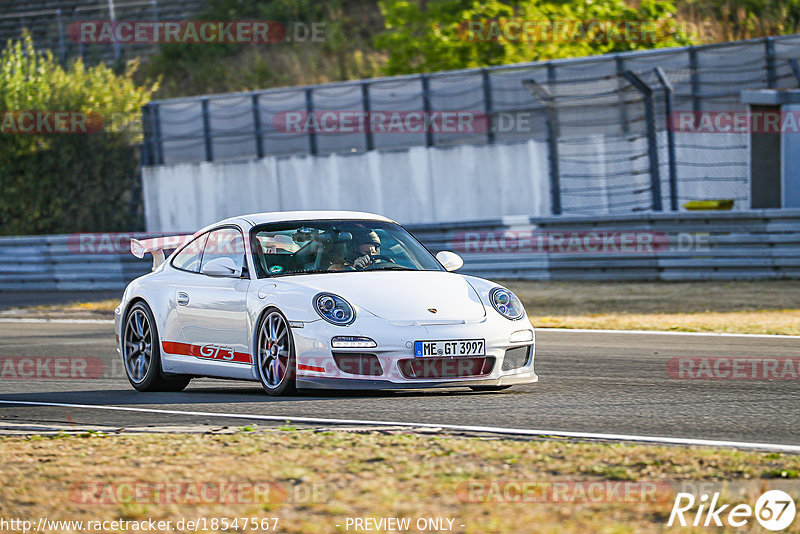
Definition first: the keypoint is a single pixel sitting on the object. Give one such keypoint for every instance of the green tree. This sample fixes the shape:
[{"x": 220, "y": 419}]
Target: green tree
[
  {"x": 728, "y": 20},
  {"x": 68, "y": 182},
  {"x": 342, "y": 51},
  {"x": 453, "y": 34}
]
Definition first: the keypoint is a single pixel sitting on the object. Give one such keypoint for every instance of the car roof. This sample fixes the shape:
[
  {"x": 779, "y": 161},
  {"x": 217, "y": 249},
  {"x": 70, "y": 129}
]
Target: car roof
[{"x": 255, "y": 219}]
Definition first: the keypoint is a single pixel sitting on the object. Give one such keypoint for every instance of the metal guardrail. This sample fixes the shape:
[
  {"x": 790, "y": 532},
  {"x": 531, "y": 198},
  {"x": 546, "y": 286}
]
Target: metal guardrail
[
  {"x": 760, "y": 244},
  {"x": 54, "y": 263}
]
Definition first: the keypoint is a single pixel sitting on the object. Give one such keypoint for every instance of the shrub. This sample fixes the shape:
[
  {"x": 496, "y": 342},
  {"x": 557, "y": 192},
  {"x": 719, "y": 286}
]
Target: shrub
[{"x": 69, "y": 182}]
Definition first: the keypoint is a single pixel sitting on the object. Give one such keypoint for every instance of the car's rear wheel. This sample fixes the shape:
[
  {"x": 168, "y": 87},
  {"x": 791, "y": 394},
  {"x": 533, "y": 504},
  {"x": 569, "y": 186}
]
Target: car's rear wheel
[
  {"x": 142, "y": 355},
  {"x": 275, "y": 354},
  {"x": 488, "y": 388}
]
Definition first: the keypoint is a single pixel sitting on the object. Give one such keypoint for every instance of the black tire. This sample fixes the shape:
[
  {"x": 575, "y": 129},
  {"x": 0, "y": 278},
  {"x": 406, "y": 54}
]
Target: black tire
[
  {"x": 141, "y": 353},
  {"x": 488, "y": 388},
  {"x": 274, "y": 354}
]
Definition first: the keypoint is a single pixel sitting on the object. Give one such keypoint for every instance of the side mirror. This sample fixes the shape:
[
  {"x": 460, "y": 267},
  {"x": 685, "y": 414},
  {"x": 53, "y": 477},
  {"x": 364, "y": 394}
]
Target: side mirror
[
  {"x": 450, "y": 260},
  {"x": 223, "y": 267}
]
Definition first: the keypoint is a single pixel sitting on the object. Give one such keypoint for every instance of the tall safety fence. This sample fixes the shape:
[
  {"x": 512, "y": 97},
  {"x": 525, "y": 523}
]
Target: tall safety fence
[
  {"x": 52, "y": 24},
  {"x": 606, "y": 121}
]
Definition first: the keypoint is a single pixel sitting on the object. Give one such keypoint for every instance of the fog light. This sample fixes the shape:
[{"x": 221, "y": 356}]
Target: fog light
[
  {"x": 352, "y": 342},
  {"x": 520, "y": 336}
]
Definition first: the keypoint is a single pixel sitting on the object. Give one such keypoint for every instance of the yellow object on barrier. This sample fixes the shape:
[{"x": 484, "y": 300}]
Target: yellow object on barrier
[{"x": 721, "y": 204}]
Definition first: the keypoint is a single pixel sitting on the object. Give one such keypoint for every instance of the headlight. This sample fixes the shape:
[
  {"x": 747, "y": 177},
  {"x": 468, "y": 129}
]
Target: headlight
[
  {"x": 506, "y": 303},
  {"x": 334, "y": 309}
]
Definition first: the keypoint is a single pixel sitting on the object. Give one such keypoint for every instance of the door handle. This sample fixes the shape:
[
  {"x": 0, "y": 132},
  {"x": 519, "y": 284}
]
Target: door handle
[{"x": 183, "y": 298}]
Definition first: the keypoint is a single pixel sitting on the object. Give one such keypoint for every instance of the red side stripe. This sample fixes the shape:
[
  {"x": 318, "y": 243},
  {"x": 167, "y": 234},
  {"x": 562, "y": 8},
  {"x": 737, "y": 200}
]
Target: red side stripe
[
  {"x": 187, "y": 349},
  {"x": 303, "y": 367}
]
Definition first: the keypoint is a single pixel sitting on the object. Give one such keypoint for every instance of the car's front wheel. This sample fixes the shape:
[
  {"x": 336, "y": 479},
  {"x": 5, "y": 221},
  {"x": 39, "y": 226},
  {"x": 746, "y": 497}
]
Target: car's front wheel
[
  {"x": 141, "y": 353},
  {"x": 275, "y": 354}
]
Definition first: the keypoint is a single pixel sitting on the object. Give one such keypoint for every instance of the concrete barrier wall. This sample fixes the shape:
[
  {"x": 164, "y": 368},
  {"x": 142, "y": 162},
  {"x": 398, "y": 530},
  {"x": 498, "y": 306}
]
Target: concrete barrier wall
[
  {"x": 430, "y": 185},
  {"x": 417, "y": 185}
]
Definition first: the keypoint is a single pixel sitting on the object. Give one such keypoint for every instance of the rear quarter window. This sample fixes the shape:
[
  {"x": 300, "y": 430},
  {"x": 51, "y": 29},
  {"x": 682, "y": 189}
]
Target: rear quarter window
[{"x": 190, "y": 257}]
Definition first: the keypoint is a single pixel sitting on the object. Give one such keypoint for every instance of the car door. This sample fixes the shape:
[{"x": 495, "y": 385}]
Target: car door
[{"x": 213, "y": 310}]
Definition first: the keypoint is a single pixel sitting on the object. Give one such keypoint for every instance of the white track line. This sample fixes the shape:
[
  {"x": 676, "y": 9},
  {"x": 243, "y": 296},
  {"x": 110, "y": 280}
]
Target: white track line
[
  {"x": 462, "y": 428},
  {"x": 541, "y": 329},
  {"x": 661, "y": 333}
]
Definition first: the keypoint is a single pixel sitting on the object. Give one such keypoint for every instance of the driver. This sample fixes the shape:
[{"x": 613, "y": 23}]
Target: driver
[{"x": 369, "y": 245}]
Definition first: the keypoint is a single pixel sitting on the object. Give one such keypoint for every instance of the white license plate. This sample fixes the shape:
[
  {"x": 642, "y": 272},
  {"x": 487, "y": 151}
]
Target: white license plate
[{"x": 458, "y": 347}]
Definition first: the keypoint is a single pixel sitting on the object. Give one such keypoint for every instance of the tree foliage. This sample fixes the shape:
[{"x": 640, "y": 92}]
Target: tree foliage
[
  {"x": 67, "y": 182},
  {"x": 453, "y": 34}
]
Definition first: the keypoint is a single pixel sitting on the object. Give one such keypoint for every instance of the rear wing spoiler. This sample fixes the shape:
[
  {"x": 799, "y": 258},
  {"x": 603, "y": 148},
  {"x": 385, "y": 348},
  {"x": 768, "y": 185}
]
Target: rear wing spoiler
[{"x": 156, "y": 247}]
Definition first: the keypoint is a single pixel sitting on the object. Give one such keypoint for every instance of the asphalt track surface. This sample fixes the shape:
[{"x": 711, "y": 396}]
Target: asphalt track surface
[{"x": 589, "y": 382}]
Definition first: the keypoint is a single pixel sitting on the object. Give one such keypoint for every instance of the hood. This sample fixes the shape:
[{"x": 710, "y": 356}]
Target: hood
[{"x": 403, "y": 296}]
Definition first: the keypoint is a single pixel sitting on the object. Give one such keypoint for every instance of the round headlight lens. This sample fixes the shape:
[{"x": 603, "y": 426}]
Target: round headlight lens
[
  {"x": 506, "y": 303},
  {"x": 334, "y": 309}
]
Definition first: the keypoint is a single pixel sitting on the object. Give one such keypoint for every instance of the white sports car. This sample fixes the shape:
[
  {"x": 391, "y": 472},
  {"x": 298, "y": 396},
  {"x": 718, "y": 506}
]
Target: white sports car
[{"x": 320, "y": 299}]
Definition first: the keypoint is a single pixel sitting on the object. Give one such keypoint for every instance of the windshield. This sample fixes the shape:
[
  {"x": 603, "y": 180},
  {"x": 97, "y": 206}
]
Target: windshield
[{"x": 305, "y": 247}]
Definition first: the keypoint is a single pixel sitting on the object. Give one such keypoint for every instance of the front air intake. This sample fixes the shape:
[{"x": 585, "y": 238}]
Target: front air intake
[
  {"x": 433, "y": 368},
  {"x": 516, "y": 358}
]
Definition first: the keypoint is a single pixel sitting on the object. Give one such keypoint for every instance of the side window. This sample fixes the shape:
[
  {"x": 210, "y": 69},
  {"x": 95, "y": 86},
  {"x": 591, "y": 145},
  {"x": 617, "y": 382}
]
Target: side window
[
  {"x": 222, "y": 243},
  {"x": 188, "y": 259}
]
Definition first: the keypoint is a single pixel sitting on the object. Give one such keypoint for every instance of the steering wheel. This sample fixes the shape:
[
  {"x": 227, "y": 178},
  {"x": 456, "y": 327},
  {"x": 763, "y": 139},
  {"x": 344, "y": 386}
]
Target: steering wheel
[
  {"x": 378, "y": 258},
  {"x": 382, "y": 258}
]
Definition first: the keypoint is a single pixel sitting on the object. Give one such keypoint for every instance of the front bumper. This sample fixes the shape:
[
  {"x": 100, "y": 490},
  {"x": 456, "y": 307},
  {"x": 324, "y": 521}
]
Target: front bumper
[
  {"x": 317, "y": 368},
  {"x": 367, "y": 384}
]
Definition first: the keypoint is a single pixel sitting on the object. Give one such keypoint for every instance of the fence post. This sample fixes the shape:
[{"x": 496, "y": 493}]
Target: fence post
[
  {"x": 207, "y": 130},
  {"x": 257, "y": 127},
  {"x": 772, "y": 76},
  {"x": 652, "y": 140},
  {"x": 62, "y": 50},
  {"x": 159, "y": 136},
  {"x": 553, "y": 133},
  {"x": 623, "y": 108},
  {"x": 487, "y": 105},
  {"x": 152, "y": 150},
  {"x": 80, "y": 41},
  {"x": 546, "y": 98},
  {"x": 147, "y": 132},
  {"x": 426, "y": 103},
  {"x": 694, "y": 78},
  {"x": 112, "y": 15},
  {"x": 367, "y": 108},
  {"x": 673, "y": 170},
  {"x": 795, "y": 69},
  {"x": 312, "y": 134}
]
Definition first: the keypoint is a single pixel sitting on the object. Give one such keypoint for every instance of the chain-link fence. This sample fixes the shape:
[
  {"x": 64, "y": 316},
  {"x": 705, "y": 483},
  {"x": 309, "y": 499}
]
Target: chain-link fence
[
  {"x": 605, "y": 120},
  {"x": 51, "y": 23}
]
